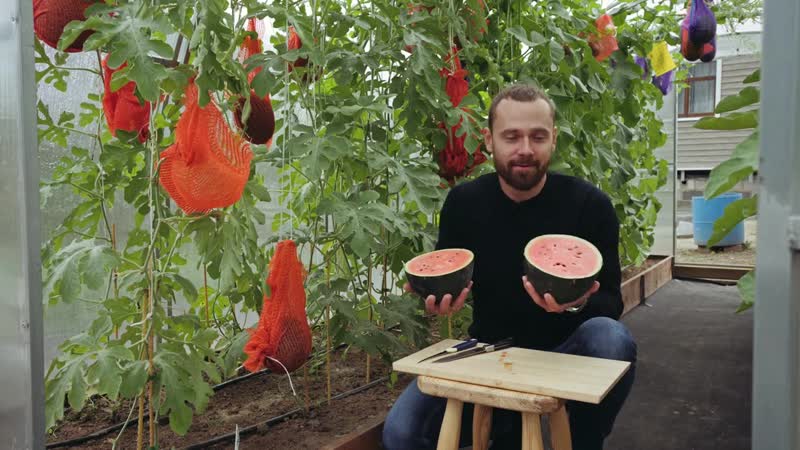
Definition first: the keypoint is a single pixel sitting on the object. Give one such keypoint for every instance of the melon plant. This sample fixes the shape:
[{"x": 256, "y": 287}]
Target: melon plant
[
  {"x": 440, "y": 272},
  {"x": 563, "y": 265}
]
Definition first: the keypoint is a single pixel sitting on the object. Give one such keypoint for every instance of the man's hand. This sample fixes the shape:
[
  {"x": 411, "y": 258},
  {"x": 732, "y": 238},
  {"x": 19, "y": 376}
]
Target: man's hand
[
  {"x": 447, "y": 306},
  {"x": 549, "y": 304}
]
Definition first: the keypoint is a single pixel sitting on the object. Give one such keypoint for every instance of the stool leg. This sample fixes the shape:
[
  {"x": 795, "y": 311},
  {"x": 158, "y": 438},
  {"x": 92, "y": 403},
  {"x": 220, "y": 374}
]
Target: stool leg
[
  {"x": 481, "y": 427},
  {"x": 531, "y": 432},
  {"x": 559, "y": 430},
  {"x": 450, "y": 433}
]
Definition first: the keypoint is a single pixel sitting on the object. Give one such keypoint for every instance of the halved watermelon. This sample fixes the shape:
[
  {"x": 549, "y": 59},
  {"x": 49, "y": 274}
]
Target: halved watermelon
[
  {"x": 565, "y": 266},
  {"x": 440, "y": 272}
]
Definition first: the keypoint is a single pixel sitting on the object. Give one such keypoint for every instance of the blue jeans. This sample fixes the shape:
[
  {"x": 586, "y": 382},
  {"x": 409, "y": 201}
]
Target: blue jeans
[{"x": 414, "y": 421}]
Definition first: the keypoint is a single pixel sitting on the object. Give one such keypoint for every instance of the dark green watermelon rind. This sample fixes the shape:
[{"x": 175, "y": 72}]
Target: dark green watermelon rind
[
  {"x": 450, "y": 283},
  {"x": 563, "y": 289}
]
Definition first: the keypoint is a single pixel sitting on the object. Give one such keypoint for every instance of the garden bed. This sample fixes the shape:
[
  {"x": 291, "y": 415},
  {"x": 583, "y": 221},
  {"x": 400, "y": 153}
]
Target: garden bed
[{"x": 269, "y": 416}]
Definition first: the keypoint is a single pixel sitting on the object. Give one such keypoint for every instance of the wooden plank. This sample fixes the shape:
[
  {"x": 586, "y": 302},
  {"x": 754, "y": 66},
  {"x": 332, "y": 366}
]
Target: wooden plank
[
  {"x": 631, "y": 294},
  {"x": 710, "y": 272},
  {"x": 656, "y": 276},
  {"x": 489, "y": 396},
  {"x": 568, "y": 377},
  {"x": 368, "y": 436}
]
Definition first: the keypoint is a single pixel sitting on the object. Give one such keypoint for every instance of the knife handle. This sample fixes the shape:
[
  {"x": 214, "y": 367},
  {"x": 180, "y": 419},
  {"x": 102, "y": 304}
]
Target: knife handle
[{"x": 463, "y": 345}]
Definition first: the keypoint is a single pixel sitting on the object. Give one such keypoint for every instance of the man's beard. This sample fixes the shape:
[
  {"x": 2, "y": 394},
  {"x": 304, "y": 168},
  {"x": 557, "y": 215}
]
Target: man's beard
[{"x": 522, "y": 180}]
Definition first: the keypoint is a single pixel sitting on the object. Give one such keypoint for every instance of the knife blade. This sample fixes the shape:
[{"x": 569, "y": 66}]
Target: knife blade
[
  {"x": 461, "y": 346},
  {"x": 505, "y": 343}
]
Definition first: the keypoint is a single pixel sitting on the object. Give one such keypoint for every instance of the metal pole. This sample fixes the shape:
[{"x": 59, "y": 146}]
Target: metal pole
[
  {"x": 674, "y": 174},
  {"x": 776, "y": 345},
  {"x": 21, "y": 320}
]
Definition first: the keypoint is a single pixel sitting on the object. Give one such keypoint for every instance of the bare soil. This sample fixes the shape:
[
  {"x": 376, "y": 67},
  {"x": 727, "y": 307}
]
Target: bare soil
[{"x": 254, "y": 401}]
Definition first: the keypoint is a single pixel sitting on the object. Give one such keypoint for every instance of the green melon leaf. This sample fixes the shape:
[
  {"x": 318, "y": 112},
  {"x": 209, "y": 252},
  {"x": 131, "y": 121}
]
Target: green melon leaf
[{"x": 734, "y": 213}]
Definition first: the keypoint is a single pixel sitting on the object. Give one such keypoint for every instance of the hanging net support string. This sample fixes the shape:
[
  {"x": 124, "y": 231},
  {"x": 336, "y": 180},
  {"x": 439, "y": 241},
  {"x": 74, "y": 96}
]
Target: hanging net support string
[
  {"x": 286, "y": 136},
  {"x": 291, "y": 385}
]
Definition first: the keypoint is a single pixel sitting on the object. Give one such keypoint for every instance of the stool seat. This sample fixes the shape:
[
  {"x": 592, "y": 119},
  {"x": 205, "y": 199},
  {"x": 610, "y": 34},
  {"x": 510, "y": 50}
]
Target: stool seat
[{"x": 532, "y": 406}]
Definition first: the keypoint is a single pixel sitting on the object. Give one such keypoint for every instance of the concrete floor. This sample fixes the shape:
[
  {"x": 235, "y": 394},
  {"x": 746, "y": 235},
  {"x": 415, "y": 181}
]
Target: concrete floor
[{"x": 694, "y": 372}]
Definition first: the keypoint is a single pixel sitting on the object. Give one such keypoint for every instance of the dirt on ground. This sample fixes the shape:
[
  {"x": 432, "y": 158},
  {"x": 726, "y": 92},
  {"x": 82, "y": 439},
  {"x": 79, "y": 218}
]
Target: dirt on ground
[{"x": 254, "y": 401}]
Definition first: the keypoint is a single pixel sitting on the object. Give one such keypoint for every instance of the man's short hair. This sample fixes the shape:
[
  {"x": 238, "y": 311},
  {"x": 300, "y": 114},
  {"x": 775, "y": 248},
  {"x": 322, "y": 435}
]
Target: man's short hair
[{"x": 521, "y": 93}]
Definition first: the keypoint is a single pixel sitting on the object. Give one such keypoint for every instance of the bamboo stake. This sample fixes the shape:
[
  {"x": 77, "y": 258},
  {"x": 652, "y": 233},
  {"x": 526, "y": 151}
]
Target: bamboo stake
[
  {"x": 140, "y": 429},
  {"x": 150, "y": 372},
  {"x": 116, "y": 285},
  {"x": 328, "y": 332},
  {"x": 369, "y": 305},
  {"x": 205, "y": 291},
  {"x": 305, "y": 378}
]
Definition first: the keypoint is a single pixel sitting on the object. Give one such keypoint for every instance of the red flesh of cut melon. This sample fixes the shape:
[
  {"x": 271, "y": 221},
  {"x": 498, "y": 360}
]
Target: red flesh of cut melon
[{"x": 564, "y": 257}]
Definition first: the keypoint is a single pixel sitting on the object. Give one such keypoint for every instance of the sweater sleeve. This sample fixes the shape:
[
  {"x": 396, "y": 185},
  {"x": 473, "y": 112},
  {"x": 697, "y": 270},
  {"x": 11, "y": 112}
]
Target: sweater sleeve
[{"x": 603, "y": 231}]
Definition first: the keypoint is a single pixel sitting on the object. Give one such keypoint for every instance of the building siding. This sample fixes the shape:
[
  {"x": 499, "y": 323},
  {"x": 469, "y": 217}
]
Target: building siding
[{"x": 705, "y": 149}]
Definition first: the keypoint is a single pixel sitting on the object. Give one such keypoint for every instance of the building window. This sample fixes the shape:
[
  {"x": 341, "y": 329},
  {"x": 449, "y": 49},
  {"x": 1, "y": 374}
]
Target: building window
[{"x": 699, "y": 97}]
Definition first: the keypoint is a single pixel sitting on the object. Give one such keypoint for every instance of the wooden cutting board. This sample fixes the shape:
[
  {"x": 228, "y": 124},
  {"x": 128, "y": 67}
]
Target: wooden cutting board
[{"x": 569, "y": 377}]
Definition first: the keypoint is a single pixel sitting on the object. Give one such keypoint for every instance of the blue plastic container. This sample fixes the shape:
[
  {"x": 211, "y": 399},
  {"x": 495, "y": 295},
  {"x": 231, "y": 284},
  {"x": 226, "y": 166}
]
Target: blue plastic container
[{"x": 706, "y": 212}]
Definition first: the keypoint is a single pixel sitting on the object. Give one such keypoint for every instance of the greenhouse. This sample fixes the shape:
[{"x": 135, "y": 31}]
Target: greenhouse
[{"x": 449, "y": 224}]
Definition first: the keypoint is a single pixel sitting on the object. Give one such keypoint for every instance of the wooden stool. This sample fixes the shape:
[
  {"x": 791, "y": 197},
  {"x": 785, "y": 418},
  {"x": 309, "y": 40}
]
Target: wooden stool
[{"x": 485, "y": 398}]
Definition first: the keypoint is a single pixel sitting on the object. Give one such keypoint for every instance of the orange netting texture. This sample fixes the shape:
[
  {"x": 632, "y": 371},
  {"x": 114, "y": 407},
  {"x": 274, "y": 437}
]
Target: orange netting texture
[
  {"x": 283, "y": 332},
  {"x": 122, "y": 108},
  {"x": 260, "y": 124},
  {"x": 604, "y": 42},
  {"x": 51, "y": 16},
  {"x": 208, "y": 165}
]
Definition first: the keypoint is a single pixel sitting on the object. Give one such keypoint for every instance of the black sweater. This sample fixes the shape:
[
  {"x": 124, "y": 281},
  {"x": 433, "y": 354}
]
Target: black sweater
[{"x": 477, "y": 215}]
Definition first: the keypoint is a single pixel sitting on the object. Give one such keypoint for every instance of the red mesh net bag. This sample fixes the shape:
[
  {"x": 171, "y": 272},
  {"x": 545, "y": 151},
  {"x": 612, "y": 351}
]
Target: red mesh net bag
[
  {"x": 295, "y": 43},
  {"x": 122, "y": 108},
  {"x": 604, "y": 42},
  {"x": 208, "y": 165},
  {"x": 454, "y": 160},
  {"x": 51, "y": 16},
  {"x": 456, "y": 84},
  {"x": 283, "y": 332},
  {"x": 260, "y": 124}
]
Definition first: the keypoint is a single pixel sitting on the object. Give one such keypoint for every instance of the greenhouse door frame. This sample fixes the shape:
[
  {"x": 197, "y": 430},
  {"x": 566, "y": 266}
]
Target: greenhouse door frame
[
  {"x": 21, "y": 312},
  {"x": 776, "y": 347}
]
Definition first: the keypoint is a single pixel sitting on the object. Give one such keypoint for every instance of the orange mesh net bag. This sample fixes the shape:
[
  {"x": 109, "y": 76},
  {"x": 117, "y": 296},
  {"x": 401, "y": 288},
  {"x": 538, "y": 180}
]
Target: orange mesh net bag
[
  {"x": 208, "y": 165},
  {"x": 283, "y": 333},
  {"x": 51, "y": 16},
  {"x": 260, "y": 124},
  {"x": 122, "y": 108},
  {"x": 604, "y": 42}
]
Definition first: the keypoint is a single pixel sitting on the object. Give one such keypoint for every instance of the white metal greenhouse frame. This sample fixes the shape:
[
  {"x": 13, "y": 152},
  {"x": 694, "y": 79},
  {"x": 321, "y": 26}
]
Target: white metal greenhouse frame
[{"x": 776, "y": 371}]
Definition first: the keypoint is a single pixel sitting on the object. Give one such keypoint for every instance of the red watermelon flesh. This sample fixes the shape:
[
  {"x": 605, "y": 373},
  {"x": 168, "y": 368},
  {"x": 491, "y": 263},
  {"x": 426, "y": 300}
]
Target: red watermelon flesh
[
  {"x": 440, "y": 272},
  {"x": 565, "y": 266}
]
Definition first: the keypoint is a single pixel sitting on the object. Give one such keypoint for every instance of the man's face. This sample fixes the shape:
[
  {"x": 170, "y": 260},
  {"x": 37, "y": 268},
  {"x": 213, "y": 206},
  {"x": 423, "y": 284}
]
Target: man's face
[{"x": 522, "y": 142}]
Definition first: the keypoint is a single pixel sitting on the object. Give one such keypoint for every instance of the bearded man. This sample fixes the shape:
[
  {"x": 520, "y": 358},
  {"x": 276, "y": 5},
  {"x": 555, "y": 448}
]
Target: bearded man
[{"x": 495, "y": 216}]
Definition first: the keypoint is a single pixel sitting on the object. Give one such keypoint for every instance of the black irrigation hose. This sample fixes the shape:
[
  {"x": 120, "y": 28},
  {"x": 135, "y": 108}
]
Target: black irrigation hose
[
  {"x": 161, "y": 420},
  {"x": 707, "y": 280},
  {"x": 277, "y": 419}
]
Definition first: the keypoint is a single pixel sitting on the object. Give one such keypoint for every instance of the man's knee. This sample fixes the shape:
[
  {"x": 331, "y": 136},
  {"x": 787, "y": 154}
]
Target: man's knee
[
  {"x": 397, "y": 434},
  {"x": 609, "y": 338}
]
